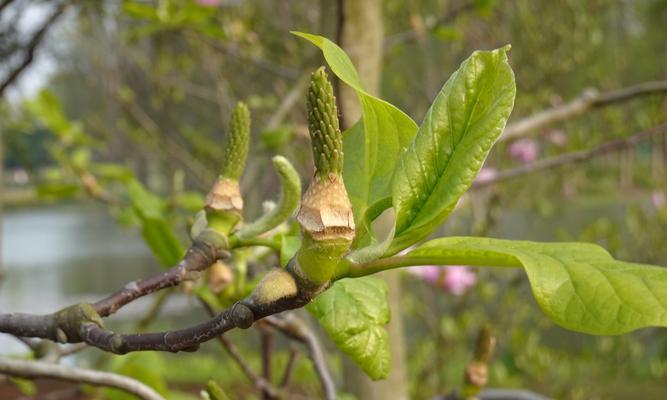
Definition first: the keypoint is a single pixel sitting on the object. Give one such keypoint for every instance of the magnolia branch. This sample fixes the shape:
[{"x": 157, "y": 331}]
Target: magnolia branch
[
  {"x": 83, "y": 323},
  {"x": 76, "y": 323},
  {"x": 39, "y": 369},
  {"x": 573, "y": 157},
  {"x": 589, "y": 99},
  {"x": 198, "y": 258}
]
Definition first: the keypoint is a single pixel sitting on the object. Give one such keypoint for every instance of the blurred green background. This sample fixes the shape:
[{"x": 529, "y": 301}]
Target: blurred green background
[{"x": 142, "y": 91}]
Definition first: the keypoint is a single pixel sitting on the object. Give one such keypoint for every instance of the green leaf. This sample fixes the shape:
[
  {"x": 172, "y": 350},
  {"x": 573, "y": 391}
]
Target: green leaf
[
  {"x": 25, "y": 386},
  {"x": 578, "y": 285},
  {"x": 155, "y": 229},
  {"x": 464, "y": 121},
  {"x": 112, "y": 172},
  {"x": 215, "y": 391},
  {"x": 190, "y": 201},
  {"x": 374, "y": 145},
  {"x": 57, "y": 190},
  {"x": 161, "y": 239},
  {"x": 145, "y": 367},
  {"x": 354, "y": 312}
]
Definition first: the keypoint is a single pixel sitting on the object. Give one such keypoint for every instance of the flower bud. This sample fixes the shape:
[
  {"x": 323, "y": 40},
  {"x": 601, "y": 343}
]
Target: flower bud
[
  {"x": 224, "y": 203},
  {"x": 325, "y": 215}
]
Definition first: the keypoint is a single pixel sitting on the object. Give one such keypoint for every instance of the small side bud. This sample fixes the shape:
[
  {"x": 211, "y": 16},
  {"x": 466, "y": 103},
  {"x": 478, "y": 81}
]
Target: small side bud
[{"x": 276, "y": 285}]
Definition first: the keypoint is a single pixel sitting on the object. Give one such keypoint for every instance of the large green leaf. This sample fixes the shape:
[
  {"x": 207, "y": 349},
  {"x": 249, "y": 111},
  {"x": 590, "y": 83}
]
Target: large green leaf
[
  {"x": 354, "y": 313},
  {"x": 374, "y": 145},
  {"x": 451, "y": 145},
  {"x": 578, "y": 285},
  {"x": 155, "y": 229}
]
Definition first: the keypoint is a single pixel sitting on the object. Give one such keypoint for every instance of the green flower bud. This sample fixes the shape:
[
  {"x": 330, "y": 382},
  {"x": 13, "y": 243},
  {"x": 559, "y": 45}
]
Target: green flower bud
[
  {"x": 224, "y": 202},
  {"x": 236, "y": 150},
  {"x": 325, "y": 215},
  {"x": 327, "y": 141}
]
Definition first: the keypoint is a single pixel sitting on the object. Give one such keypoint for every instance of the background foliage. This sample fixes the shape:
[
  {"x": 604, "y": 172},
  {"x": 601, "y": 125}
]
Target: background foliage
[{"x": 136, "y": 106}]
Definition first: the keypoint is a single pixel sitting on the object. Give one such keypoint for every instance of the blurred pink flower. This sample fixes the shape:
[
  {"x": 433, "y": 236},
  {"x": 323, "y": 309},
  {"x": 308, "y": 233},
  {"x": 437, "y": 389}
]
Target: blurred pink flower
[
  {"x": 486, "y": 174},
  {"x": 525, "y": 150},
  {"x": 209, "y": 3},
  {"x": 429, "y": 273},
  {"x": 453, "y": 279},
  {"x": 658, "y": 199},
  {"x": 556, "y": 137},
  {"x": 458, "y": 279}
]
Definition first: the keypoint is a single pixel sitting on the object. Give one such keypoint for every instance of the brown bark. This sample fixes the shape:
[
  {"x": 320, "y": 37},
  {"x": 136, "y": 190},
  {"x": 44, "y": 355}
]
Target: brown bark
[{"x": 361, "y": 36}]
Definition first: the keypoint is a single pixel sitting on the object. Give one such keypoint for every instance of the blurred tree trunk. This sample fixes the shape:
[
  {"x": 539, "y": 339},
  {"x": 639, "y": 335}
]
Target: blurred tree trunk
[
  {"x": 361, "y": 35},
  {"x": 2, "y": 181}
]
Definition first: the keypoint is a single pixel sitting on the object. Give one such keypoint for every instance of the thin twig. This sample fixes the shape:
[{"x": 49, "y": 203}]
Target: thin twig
[
  {"x": 267, "y": 65},
  {"x": 153, "y": 311},
  {"x": 412, "y": 34},
  {"x": 589, "y": 99},
  {"x": 199, "y": 257},
  {"x": 4, "y": 4},
  {"x": 168, "y": 143},
  {"x": 297, "y": 329},
  {"x": 289, "y": 368},
  {"x": 260, "y": 383},
  {"x": 38, "y": 369},
  {"x": 289, "y": 101},
  {"x": 573, "y": 157},
  {"x": 267, "y": 344},
  {"x": 31, "y": 46},
  {"x": 71, "y": 349}
]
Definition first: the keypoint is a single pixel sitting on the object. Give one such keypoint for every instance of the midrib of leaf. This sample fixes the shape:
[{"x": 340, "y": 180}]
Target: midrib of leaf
[{"x": 431, "y": 187}]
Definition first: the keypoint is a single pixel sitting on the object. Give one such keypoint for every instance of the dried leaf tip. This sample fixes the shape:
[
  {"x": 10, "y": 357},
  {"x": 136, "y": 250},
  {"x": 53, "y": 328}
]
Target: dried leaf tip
[{"x": 323, "y": 125}]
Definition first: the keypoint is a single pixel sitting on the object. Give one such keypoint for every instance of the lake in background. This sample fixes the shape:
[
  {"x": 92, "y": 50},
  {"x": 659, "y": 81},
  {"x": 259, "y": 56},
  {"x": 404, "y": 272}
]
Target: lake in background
[{"x": 57, "y": 255}]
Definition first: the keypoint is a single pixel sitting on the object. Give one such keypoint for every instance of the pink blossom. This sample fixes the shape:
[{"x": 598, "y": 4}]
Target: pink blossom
[
  {"x": 458, "y": 279},
  {"x": 486, "y": 174},
  {"x": 209, "y": 3},
  {"x": 525, "y": 150},
  {"x": 556, "y": 137},
  {"x": 658, "y": 199},
  {"x": 429, "y": 273},
  {"x": 455, "y": 279}
]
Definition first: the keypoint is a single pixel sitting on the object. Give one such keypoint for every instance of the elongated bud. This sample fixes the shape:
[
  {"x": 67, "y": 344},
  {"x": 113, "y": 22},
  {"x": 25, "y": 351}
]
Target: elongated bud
[
  {"x": 224, "y": 202},
  {"x": 236, "y": 150},
  {"x": 325, "y": 215},
  {"x": 327, "y": 141}
]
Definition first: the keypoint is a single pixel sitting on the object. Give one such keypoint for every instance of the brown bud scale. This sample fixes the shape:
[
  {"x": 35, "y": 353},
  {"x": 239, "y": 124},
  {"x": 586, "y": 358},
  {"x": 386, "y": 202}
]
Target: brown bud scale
[
  {"x": 225, "y": 195},
  {"x": 326, "y": 211}
]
